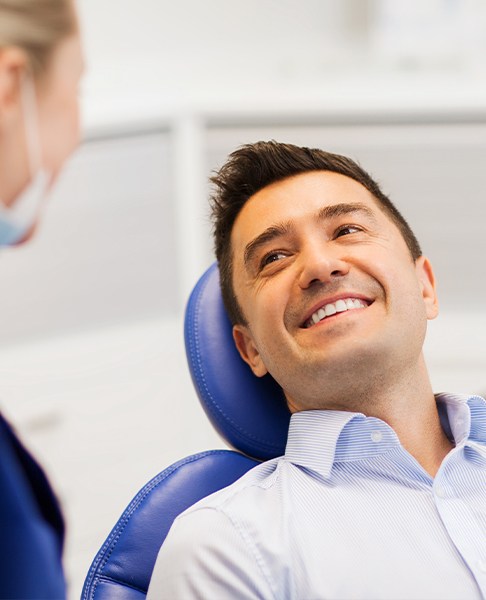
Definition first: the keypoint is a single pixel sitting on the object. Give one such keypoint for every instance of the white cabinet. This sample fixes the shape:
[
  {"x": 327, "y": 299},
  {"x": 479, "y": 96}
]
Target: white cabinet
[{"x": 105, "y": 251}]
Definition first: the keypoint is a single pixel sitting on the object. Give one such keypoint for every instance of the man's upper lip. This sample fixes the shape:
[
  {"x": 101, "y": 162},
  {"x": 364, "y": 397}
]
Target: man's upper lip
[{"x": 332, "y": 300}]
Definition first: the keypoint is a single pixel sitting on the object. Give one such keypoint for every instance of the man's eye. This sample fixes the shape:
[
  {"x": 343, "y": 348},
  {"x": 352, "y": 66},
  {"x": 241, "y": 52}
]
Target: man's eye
[
  {"x": 347, "y": 229},
  {"x": 271, "y": 258}
]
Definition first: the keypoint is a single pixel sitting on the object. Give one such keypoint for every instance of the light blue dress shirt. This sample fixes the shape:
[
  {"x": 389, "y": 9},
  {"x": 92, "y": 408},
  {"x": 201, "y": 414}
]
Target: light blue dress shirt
[{"x": 346, "y": 513}]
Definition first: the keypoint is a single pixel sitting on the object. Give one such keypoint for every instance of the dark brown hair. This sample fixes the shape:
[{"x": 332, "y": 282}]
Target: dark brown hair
[{"x": 253, "y": 167}]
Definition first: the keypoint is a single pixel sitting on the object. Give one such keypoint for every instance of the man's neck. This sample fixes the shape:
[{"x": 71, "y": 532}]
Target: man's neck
[
  {"x": 407, "y": 404},
  {"x": 410, "y": 409},
  {"x": 420, "y": 432}
]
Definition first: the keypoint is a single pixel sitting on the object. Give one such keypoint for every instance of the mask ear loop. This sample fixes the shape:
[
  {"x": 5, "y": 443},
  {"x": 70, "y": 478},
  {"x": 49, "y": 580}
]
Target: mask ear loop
[
  {"x": 30, "y": 203},
  {"x": 32, "y": 134}
]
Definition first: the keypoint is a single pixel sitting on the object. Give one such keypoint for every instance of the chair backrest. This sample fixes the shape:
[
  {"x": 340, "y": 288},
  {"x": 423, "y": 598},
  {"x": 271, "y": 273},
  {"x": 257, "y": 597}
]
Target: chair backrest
[
  {"x": 249, "y": 413},
  {"x": 123, "y": 566}
]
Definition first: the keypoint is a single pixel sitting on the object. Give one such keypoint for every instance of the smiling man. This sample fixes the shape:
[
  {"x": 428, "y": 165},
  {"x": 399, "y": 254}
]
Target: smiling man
[{"x": 382, "y": 489}]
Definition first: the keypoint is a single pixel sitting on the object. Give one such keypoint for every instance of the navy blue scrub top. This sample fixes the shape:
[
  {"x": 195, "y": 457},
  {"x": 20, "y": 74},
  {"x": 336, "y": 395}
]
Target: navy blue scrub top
[{"x": 31, "y": 525}]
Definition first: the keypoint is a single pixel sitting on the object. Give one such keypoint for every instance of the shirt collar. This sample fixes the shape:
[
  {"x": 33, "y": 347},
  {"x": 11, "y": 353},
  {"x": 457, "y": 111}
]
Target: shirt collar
[
  {"x": 463, "y": 416},
  {"x": 319, "y": 438}
]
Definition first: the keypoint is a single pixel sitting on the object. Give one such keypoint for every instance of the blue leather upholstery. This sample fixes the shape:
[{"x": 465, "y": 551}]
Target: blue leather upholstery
[
  {"x": 249, "y": 413},
  {"x": 123, "y": 566}
]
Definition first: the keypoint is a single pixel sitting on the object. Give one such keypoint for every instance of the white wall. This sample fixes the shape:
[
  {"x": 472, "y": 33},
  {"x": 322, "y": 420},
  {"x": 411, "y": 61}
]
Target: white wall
[{"x": 159, "y": 53}]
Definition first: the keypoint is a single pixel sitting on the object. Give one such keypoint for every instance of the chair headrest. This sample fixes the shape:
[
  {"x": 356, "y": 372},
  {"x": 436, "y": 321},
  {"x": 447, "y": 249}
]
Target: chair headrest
[{"x": 250, "y": 413}]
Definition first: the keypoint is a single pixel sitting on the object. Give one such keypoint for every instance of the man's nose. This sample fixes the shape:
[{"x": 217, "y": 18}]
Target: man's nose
[{"x": 320, "y": 264}]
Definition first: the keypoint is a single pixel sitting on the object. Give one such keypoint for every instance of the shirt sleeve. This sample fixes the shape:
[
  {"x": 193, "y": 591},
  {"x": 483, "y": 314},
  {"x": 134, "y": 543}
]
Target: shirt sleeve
[{"x": 205, "y": 557}]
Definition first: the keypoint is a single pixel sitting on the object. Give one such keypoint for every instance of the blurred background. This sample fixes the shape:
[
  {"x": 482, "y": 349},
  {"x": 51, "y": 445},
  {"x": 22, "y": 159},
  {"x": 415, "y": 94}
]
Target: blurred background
[{"x": 92, "y": 365}]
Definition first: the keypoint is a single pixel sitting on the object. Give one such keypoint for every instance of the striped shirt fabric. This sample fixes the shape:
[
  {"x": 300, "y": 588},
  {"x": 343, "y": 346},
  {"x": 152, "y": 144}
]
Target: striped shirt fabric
[{"x": 346, "y": 513}]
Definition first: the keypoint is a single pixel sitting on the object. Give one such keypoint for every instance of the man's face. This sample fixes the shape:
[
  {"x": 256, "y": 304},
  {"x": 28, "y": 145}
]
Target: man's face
[{"x": 318, "y": 244}]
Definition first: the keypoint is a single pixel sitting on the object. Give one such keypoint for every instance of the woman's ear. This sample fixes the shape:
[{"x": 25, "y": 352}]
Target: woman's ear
[
  {"x": 13, "y": 64},
  {"x": 248, "y": 351},
  {"x": 425, "y": 275}
]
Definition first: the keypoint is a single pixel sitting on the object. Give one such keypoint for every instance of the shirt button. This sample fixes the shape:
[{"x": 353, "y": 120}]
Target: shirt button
[
  {"x": 376, "y": 436},
  {"x": 440, "y": 492},
  {"x": 482, "y": 565}
]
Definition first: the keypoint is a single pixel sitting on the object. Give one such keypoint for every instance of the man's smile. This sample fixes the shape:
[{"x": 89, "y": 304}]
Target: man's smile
[{"x": 329, "y": 308}]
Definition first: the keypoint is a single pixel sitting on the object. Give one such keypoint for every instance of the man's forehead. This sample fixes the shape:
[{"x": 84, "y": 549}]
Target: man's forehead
[{"x": 299, "y": 197}]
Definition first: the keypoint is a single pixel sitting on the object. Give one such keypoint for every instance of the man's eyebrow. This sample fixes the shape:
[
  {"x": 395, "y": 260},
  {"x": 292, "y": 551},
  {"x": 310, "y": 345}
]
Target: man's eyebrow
[
  {"x": 345, "y": 208},
  {"x": 266, "y": 236}
]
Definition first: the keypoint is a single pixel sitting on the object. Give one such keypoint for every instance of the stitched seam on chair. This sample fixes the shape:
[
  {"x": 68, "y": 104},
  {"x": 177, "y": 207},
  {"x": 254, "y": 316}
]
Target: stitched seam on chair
[
  {"x": 201, "y": 378},
  {"x": 113, "y": 538},
  {"x": 127, "y": 585}
]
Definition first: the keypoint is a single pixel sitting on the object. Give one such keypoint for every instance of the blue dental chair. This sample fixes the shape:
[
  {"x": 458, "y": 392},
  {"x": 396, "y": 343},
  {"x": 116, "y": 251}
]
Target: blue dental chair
[{"x": 249, "y": 413}]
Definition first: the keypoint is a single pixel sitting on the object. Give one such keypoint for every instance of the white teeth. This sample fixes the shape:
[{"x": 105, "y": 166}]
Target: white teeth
[
  {"x": 330, "y": 310},
  {"x": 337, "y": 307},
  {"x": 341, "y": 306}
]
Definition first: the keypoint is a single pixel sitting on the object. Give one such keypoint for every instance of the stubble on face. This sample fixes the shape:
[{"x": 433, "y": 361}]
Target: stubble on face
[{"x": 347, "y": 355}]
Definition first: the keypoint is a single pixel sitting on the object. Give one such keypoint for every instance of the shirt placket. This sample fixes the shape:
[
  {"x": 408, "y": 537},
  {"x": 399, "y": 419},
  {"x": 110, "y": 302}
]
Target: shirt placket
[{"x": 458, "y": 518}]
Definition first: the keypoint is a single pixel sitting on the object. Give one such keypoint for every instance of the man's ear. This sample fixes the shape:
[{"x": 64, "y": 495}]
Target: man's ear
[
  {"x": 247, "y": 349},
  {"x": 426, "y": 277},
  {"x": 13, "y": 64}
]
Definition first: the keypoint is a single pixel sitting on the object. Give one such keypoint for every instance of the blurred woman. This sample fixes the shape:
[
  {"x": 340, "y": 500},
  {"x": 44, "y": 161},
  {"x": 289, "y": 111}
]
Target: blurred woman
[{"x": 40, "y": 67}]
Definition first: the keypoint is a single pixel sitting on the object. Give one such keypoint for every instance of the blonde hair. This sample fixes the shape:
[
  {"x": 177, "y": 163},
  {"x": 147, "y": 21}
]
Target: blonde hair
[{"x": 36, "y": 27}]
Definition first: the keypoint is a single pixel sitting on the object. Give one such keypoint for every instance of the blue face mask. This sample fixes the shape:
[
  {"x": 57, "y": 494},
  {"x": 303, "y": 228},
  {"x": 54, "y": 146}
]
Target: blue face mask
[{"x": 17, "y": 220}]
